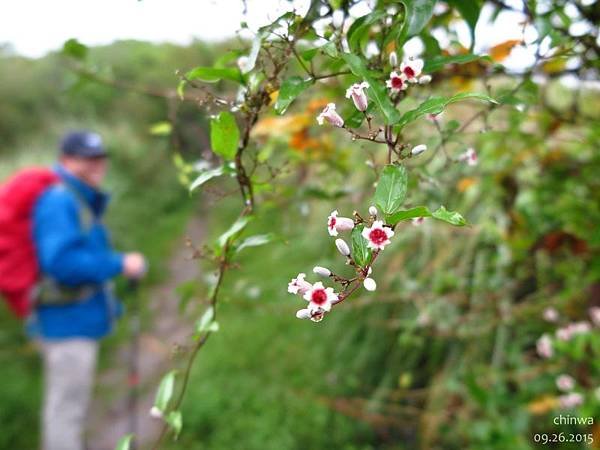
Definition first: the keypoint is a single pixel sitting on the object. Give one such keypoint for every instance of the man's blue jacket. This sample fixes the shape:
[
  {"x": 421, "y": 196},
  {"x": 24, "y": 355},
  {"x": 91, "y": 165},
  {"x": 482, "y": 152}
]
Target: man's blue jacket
[{"x": 74, "y": 254}]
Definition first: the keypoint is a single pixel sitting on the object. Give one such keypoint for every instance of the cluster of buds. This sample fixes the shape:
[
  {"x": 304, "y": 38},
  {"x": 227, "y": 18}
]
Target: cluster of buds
[{"x": 321, "y": 299}]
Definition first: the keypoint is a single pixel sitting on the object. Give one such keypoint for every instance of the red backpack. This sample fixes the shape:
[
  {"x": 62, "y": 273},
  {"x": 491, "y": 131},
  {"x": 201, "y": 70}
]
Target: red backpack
[{"x": 19, "y": 269}]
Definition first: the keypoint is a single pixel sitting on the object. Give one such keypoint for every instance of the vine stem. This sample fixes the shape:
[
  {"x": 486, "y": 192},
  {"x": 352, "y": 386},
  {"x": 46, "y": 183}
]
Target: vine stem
[{"x": 190, "y": 363}]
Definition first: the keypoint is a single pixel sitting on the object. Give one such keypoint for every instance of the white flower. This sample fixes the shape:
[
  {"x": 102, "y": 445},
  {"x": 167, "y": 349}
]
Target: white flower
[
  {"x": 335, "y": 223},
  {"x": 369, "y": 284},
  {"x": 342, "y": 247},
  {"x": 373, "y": 211},
  {"x": 425, "y": 79},
  {"x": 565, "y": 383},
  {"x": 393, "y": 59},
  {"x": 550, "y": 314},
  {"x": 357, "y": 93},
  {"x": 572, "y": 329},
  {"x": 411, "y": 69},
  {"x": 320, "y": 297},
  {"x": 418, "y": 149},
  {"x": 331, "y": 116},
  {"x": 323, "y": 271},
  {"x": 298, "y": 285},
  {"x": 469, "y": 156},
  {"x": 396, "y": 82},
  {"x": 571, "y": 400},
  {"x": 156, "y": 413},
  {"x": 377, "y": 235},
  {"x": 544, "y": 346},
  {"x": 595, "y": 315},
  {"x": 417, "y": 221}
]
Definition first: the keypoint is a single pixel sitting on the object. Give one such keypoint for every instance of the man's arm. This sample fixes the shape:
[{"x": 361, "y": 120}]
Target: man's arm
[{"x": 62, "y": 248}]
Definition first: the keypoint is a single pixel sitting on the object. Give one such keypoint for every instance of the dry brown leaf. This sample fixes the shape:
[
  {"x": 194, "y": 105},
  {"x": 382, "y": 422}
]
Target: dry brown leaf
[{"x": 501, "y": 51}]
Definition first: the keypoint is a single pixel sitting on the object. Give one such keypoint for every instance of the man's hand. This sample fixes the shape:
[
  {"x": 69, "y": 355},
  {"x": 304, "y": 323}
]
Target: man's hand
[{"x": 134, "y": 265}]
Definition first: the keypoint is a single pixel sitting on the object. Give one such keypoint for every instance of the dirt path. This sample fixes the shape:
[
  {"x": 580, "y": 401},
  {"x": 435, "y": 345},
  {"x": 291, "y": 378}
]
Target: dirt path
[{"x": 109, "y": 414}]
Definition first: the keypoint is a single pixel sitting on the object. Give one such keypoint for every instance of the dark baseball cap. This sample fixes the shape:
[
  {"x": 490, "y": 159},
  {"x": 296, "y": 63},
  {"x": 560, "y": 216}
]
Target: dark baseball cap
[{"x": 84, "y": 144}]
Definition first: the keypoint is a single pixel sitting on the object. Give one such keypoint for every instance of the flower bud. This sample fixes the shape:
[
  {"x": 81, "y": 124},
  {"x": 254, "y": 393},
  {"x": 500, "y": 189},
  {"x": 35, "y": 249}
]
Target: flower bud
[
  {"x": 303, "y": 314},
  {"x": 357, "y": 93},
  {"x": 156, "y": 413},
  {"x": 393, "y": 59},
  {"x": 342, "y": 247},
  {"x": 330, "y": 114},
  {"x": 323, "y": 271},
  {"x": 369, "y": 284},
  {"x": 373, "y": 211},
  {"x": 425, "y": 79},
  {"x": 418, "y": 149}
]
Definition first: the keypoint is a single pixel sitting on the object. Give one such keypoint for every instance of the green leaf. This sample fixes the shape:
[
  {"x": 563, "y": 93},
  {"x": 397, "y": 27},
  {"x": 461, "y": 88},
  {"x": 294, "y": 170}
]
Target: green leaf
[
  {"x": 205, "y": 176},
  {"x": 418, "y": 13},
  {"x": 235, "y": 229},
  {"x": 165, "y": 391},
  {"x": 124, "y": 443},
  {"x": 419, "y": 211},
  {"x": 439, "y": 62},
  {"x": 360, "y": 251},
  {"x": 206, "y": 323},
  {"x": 452, "y": 217},
  {"x": 469, "y": 10},
  {"x": 330, "y": 50},
  {"x": 391, "y": 189},
  {"x": 74, "y": 49},
  {"x": 224, "y": 135},
  {"x": 355, "y": 118},
  {"x": 214, "y": 74},
  {"x": 290, "y": 89},
  {"x": 161, "y": 128},
  {"x": 255, "y": 241},
  {"x": 175, "y": 421},
  {"x": 436, "y": 105},
  {"x": 376, "y": 90},
  {"x": 360, "y": 27}
]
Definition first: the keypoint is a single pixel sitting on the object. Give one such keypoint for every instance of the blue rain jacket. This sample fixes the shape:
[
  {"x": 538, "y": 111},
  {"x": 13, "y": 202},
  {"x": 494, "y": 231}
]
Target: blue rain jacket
[{"x": 75, "y": 254}]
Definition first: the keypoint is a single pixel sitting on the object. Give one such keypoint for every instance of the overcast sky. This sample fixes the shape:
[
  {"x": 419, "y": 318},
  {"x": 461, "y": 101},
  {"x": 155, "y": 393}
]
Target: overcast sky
[{"x": 34, "y": 27}]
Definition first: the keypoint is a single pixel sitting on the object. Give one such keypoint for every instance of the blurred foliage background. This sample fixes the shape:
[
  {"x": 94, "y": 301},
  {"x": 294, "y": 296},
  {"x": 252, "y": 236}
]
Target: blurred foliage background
[{"x": 443, "y": 355}]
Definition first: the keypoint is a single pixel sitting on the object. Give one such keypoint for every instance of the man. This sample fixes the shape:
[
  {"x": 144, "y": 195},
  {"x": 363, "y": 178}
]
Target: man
[{"x": 75, "y": 306}]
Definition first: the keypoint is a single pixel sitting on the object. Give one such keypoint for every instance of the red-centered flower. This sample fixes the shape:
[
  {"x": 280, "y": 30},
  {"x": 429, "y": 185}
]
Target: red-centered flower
[
  {"x": 377, "y": 235},
  {"x": 411, "y": 69},
  {"x": 397, "y": 82},
  {"x": 335, "y": 223},
  {"x": 469, "y": 156},
  {"x": 331, "y": 116},
  {"x": 320, "y": 297}
]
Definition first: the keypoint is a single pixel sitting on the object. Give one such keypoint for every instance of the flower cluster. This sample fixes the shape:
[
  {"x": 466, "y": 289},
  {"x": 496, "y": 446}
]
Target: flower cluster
[
  {"x": 546, "y": 347},
  {"x": 408, "y": 72},
  {"x": 321, "y": 299}
]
